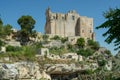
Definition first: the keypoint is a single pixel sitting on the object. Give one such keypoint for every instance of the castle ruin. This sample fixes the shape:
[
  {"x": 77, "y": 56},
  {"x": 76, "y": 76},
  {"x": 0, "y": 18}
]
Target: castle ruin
[{"x": 70, "y": 24}]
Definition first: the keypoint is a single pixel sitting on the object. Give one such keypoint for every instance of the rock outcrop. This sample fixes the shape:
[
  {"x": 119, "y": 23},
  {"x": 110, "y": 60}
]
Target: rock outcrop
[
  {"x": 61, "y": 68},
  {"x": 23, "y": 70}
]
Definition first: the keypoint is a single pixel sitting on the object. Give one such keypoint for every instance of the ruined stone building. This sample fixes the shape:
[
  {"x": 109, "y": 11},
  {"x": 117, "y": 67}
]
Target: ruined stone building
[{"x": 70, "y": 24}]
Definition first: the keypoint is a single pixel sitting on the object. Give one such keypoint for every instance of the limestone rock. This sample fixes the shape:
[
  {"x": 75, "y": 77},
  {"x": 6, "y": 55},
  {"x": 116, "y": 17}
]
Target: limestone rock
[{"x": 61, "y": 68}]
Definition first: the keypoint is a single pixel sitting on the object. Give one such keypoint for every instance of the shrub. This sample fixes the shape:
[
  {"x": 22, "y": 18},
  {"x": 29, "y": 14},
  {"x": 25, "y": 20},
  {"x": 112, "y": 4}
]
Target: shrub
[
  {"x": 90, "y": 42},
  {"x": 45, "y": 37},
  {"x": 56, "y": 37},
  {"x": 102, "y": 63},
  {"x": 1, "y": 43},
  {"x": 13, "y": 48},
  {"x": 38, "y": 44},
  {"x": 81, "y": 52},
  {"x": 96, "y": 46},
  {"x": 93, "y": 44},
  {"x": 63, "y": 40},
  {"x": 86, "y": 53},
  {"x": 80, "y": 42},
  {"x": 108, "y": 52},
  {"x": 71, "y": 48},
  {"x": 88, "y": 71},
  {"x": 89, "y": 52}
]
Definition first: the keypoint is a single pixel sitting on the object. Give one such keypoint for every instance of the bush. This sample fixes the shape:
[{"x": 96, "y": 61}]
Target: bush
[
  {"x": 1, "y": 43},
  {"x": 86, "y": 53},
  {"x": 89, "y": 52},
  {"x": 101, "y": 63},
  {"x": 88, "y": 71},
  {"x": 38, "y": 44},
  {"x": 56, "y": 37},
  {"x": 96, "y": 46},
  {"x": 80, "y": 42},
  {"x": 93, "y": 44},
  {"x": 90, "y": 42},
  {"x": 71, "y": 48},
  {"x": 63, "y": 40},
  {"x": 13, "y": 48},
  {"x": 108, "y": 52},
  {"x": 45, "y": 37}
]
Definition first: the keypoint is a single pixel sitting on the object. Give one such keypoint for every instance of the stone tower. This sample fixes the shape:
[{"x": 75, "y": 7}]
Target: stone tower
[{"x": 68, "y": 25}]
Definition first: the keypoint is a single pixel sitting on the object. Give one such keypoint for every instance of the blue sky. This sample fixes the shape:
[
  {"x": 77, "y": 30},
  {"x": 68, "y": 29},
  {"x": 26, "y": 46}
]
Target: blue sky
[{"x": 11, "y": 10}]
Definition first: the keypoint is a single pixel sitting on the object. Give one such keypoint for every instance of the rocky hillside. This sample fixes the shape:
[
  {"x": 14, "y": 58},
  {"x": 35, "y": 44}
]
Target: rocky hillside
[
  {"x": 58, "y": 59},
  {"x": 116, "y": 62}
]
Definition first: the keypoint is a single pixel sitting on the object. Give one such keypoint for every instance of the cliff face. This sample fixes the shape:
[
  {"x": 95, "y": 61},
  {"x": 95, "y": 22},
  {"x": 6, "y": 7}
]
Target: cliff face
[
  {"x": 32, "y": 70},
  {"x": 22, "y": 70}
]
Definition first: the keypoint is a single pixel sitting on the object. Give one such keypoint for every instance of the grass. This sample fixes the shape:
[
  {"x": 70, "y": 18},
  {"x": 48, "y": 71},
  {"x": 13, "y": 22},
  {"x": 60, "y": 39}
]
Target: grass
[{"x": 26, "y": 53}]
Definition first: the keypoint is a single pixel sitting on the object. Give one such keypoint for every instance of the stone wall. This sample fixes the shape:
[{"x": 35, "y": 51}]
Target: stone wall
[{"x": 69, "y": 24}]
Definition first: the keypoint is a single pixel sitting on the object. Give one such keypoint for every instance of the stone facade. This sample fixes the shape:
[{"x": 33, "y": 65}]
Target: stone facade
[{"x": 69, "y": 24}]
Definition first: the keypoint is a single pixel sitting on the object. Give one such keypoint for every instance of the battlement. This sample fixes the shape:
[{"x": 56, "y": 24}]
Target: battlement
[{"x": 71, "y": 15}]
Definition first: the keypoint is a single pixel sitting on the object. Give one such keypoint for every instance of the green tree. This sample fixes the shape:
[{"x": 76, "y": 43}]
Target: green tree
[
  {"x": 8, "y": 29},
  {"x": 5, "y": 30},
  {"x": 27, "y": 25},
  {"x": 80, "y": 42},
  {"x": 112, "y": 24}
]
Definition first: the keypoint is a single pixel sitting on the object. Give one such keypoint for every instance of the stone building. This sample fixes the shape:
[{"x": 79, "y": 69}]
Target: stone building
[{"x": 69, "y": 24}]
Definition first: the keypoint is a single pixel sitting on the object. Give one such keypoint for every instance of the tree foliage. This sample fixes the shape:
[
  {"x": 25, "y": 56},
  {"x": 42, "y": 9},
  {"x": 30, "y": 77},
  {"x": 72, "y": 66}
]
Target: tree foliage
[
  {"x": 27, "y": 25},
  {"x": 112, "y": 24},
  {"x": 5, "y": 29},
  {"x": 81, "y": 42}
]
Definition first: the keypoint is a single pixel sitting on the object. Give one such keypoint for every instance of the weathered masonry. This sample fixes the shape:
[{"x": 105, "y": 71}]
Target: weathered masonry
[{"x": 70, "y": 24}]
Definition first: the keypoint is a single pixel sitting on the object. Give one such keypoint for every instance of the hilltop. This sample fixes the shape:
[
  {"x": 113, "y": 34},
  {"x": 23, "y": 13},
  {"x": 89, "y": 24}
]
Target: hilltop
[
  {"x": 27, "y": 54},
  {"x": 55, "y": 56}
]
